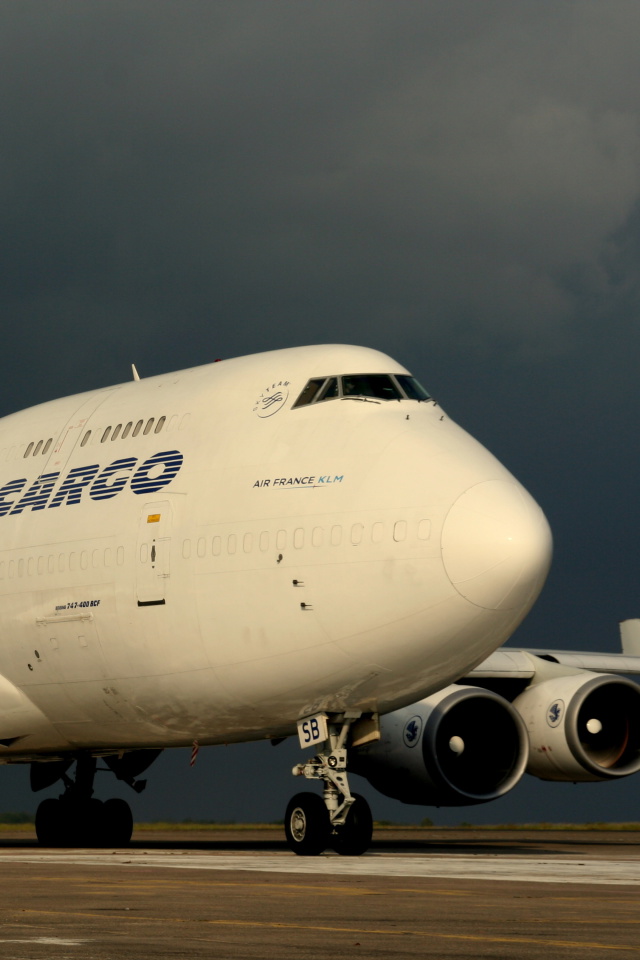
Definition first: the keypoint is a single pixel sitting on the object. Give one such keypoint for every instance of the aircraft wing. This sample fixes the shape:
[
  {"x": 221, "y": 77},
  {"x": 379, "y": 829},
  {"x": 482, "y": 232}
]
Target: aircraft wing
[
  {"x": 516, "y": 664},
  {"x": 521, "y": 664}
]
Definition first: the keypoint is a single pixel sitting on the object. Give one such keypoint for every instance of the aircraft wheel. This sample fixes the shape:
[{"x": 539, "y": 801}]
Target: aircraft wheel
[
  {"x": 117, "y": 823},
  {"x": 51, "y": 823},
  {"x": 87, "y": 823},
  {"x": 354, "y": 838},
  {"x": 306, "y": 825}
]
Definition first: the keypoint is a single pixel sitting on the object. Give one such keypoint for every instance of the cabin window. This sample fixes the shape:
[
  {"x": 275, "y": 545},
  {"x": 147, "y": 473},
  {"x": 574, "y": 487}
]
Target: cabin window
[
  {"x": 400, "y": 530},
  {"x": 116, "y": 432},
  {"x": 424, "y": 529},
  {"x": 28, "y": 450},
  {"x": 232, "y": 543},
  {"x": 48, "y": 444},
  {"x": 316, "y": 536},
  {"x": 85, "y": 439},
  {"x": 160, "y": 424},
  {"x": 137, "y": 428},
  {"x": 38, "y": 448},
  {"x": 202, "y": 546},
  {"x": 377, "y": 532},
  {"x": 216, "y": 546},
  {"x": 281, "y": 539},
  {"x": 336, "y": 535},
  {"x": 186, "y": 549},
  {"x": 264, "y": 541},
  {"x": 356, "y": 534},
  {"x": 127, "y": 430},
  {"x": 105, "y": 435},
  {"x": 147, "y": 429},
  {"x": 61, "y": 563}
]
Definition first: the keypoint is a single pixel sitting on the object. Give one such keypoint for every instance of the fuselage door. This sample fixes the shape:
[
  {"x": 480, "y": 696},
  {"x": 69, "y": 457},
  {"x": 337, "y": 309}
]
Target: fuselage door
[{"x": 153, "y": 553}]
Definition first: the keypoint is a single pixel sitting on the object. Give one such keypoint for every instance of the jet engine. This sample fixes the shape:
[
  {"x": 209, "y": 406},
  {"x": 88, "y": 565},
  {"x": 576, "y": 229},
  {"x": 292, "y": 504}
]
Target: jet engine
[
  {"x": 582, "y": 727},
  {"x": 463, "y": 745}
]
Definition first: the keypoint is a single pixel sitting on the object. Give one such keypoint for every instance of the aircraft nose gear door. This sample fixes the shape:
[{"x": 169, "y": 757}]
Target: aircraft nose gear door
[{"x": 153, "y": 553}]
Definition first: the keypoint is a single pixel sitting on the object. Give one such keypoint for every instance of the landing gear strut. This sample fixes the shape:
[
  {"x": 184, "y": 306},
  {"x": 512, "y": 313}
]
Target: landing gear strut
[{"x": 339, "y": 819}]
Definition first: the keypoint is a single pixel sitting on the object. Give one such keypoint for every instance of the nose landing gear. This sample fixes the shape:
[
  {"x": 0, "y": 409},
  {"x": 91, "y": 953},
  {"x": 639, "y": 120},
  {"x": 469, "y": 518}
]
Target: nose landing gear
[{"x": 339, "y": 819}]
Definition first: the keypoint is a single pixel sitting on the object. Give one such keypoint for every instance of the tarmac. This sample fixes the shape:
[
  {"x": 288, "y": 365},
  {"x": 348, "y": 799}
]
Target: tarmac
[{"x": 242, "y": 894}]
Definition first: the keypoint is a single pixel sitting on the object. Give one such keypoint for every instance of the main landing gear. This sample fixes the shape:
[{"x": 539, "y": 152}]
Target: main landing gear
[
  {"x": 339, "y": 819},
  {"x": 77, "y": 818}
]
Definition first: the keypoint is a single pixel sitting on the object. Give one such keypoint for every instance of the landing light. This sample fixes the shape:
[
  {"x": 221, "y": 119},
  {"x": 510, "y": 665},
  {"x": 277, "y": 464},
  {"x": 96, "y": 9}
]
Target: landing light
[
  {"x": 456, "y": 745},
  {"x": 594, "y": 726}
]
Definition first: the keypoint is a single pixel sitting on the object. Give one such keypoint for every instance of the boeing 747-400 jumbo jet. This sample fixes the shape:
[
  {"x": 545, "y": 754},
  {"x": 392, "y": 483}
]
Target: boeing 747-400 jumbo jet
[{"x": 299, "y": 540}]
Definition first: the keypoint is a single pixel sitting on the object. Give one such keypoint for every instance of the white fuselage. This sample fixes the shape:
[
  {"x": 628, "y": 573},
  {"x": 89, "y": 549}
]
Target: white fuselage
[{"x": 249, "y": 563}]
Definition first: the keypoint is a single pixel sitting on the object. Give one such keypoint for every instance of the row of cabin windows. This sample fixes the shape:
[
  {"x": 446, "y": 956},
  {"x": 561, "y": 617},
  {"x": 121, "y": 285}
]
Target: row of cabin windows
[
  {"x": 319, "y": 536},
  {"x": 335, "y": 536},
  {"x": 34, "y": 449},
  {"x": 61, "y": 562},
  {"x": 101, "y": 435},
  {"x": 112, "y": 433}
]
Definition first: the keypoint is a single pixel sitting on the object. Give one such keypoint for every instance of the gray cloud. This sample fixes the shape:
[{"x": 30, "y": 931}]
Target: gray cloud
[{"x": 456, "y": 183}]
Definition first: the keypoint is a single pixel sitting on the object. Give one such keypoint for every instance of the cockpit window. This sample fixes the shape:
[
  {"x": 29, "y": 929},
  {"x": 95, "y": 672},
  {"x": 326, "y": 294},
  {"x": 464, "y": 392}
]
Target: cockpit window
[
  {"x": 377, "y": 385},
  {"x": 310, "y": 392},
  {"x": 329, "y": 391},
  {"x": 413, "y": 389},
  {"x": 372, "y": 386}
]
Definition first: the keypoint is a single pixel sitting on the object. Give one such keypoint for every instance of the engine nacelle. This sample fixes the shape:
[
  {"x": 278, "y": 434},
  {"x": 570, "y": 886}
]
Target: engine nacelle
[
  {"x": 582, "y": 727},
  {"x": 463, "y": 745}
]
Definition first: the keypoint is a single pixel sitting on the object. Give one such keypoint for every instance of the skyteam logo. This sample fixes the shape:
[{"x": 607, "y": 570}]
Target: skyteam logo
[
  {"x": 91, "y": 482},
  {"x": 555, "y": 713},
  {"x": 272, "y": 399},
  {"x": 412, "y": 731}
]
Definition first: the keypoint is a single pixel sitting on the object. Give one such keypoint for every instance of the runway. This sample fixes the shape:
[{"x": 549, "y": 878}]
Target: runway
[{"x": 433, "y": 894}]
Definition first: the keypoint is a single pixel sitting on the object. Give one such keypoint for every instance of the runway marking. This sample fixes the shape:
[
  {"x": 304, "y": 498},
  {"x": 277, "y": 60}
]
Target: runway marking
[
  {"x": 361, "y": 931},
  {"x": 523, "y": 869},
  {"x": 49, "y": 941}
]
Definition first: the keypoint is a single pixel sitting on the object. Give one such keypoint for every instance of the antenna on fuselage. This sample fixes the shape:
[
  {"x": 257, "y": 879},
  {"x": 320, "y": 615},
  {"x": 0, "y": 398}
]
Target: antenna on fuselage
[{"x": 136, "y": 375}]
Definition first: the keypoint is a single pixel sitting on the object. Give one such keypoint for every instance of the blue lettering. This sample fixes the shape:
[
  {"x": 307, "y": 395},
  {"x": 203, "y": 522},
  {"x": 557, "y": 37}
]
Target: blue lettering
[
  {"x": 73, "y": 485},
  {"x": 38, "y": 493},
  {"x": 15, "y": 486},
  {"x": 147, "y": 480},
  {"x": 102, "y": 488}
]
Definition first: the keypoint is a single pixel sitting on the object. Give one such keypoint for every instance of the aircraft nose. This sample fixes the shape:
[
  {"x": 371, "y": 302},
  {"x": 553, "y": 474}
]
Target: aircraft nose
[{"x": 496, "y": 545}]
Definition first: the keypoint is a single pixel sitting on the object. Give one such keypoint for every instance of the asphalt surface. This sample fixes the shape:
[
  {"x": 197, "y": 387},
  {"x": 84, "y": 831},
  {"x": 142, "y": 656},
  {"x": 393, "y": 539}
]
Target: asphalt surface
[{"x": 242, "y": 894}]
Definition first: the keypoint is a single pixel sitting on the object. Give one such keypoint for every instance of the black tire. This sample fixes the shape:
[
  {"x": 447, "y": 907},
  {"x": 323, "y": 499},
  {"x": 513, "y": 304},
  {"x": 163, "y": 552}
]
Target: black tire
[
  {"x": 117, "y": 822},
  {"x": 87, "y": 823},
  {"x": 354, "y": 838},
  {"x": 306, "y": 825},
  {"x": 50, "y": 823}
]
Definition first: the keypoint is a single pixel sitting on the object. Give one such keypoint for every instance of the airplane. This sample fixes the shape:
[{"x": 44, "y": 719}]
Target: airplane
[{"x": 293, "y": 541}]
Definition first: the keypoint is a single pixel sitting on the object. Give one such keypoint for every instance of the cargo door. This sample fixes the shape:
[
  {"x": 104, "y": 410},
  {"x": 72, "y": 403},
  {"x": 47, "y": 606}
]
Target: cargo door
[{"x": 153, "y": 553}]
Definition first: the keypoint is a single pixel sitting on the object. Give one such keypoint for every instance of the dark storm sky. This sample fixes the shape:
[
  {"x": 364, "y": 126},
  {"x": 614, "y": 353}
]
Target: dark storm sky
[{"x": 456, "y": 183}]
